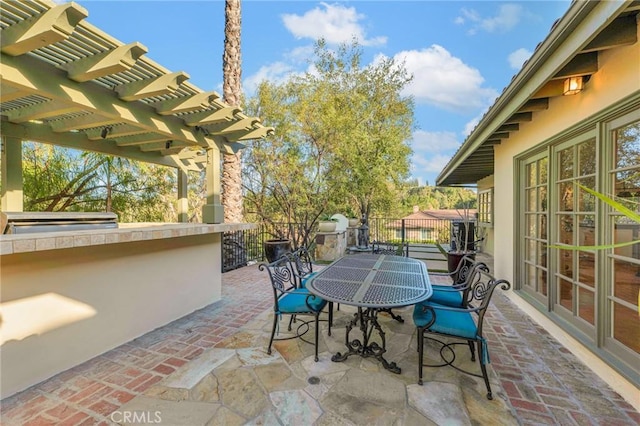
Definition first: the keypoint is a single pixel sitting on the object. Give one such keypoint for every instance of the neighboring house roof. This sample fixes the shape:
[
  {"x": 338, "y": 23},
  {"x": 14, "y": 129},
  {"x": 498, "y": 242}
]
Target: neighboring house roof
[
  {"x": 66, "y": 82},
  {"x": 413, "y": 220},
  {"x": 569, "y": 50}
]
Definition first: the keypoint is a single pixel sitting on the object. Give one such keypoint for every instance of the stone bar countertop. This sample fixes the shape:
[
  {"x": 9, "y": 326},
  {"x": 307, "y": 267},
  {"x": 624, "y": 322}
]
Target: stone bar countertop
[{"x": 126, "y": 232}]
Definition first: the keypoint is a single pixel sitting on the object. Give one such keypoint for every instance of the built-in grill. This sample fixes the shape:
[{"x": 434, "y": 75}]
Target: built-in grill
[{"x": 30, "y": 222}]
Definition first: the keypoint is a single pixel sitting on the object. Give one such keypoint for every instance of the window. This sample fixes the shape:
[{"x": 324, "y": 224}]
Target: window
[
  {"x": 591, "y": 293},
  {"x": 485, "y": 206}
]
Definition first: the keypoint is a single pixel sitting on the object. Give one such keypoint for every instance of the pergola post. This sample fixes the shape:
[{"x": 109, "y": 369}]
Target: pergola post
[
  {"x": 183, "y": 200},
  {"x": 212, "y": 211},
  {"x": 12, "y": 192}
]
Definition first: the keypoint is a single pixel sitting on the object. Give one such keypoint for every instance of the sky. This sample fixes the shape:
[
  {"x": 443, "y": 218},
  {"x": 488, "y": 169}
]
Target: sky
[{"x": 461, "y": 54}]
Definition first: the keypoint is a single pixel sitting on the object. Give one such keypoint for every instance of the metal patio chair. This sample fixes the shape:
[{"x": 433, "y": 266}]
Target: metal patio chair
[
  {"x": 303, "y": 270},
  {"x": 289, "y": 299},
  {"x": 396, "y": 249},
  {"x": 455, "y": 294},
  {"x": 459, "y": 324}
]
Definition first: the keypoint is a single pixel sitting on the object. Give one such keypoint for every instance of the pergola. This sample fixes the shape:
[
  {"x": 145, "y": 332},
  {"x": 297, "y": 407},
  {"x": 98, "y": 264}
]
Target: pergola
[{"x": 65, "y": 82}]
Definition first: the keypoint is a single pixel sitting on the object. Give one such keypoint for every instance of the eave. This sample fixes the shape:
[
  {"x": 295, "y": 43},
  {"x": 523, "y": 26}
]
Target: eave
[{"x": 570, "y": 49}]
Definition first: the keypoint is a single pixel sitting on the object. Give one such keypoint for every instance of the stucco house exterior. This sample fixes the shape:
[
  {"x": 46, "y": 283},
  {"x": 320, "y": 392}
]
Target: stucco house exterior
[{"x": 544, "y": 135}]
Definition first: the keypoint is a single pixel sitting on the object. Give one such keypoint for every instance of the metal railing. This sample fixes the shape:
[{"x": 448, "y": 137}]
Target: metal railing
[{"x": 241, "y": 248}]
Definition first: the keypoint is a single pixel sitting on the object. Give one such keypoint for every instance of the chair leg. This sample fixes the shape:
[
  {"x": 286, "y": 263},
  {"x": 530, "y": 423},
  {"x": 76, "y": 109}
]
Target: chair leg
[
  {"x": 483, "y": 367},
  {"x": 420, "y": 353},
  {"x": 317, "y": 333},
  {"x": 330, "y": 316},
  {"x": 273, "y": 332},
  {"x": 291, "y": 321},
  {"x": 473, "y": 351}
]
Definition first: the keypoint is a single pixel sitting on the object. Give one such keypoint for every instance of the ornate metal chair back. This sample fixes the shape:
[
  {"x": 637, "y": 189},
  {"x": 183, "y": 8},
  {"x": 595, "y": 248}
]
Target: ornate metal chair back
[
  {"x": 282, "y": 277},
  {"x": 480, "y": 291},
  {"x": 302, "y": 266}
]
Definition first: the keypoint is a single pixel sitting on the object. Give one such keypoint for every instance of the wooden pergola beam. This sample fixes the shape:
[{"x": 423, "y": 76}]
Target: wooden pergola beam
[
  {"x": 163, "y": 85},
  {"x": 52, "y": 26},
  {"x": 122, "y": 58}
]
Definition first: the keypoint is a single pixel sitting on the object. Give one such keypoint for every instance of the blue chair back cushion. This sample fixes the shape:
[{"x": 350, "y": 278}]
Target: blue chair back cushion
[
  {"x": 447, "y": 322},
  {"x": 296, "y": 302},
  {"x": 448, "y": 298}
]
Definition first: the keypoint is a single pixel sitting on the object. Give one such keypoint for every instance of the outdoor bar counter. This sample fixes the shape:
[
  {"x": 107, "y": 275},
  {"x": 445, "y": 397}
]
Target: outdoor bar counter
[{"x": 66, "y": 297}]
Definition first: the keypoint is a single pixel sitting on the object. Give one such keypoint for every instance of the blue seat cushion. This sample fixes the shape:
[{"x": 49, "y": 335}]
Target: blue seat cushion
[
  {"x": 295, "y": 302},
  {"x": 303, "y": 283},
  {"x": 459, "y": 324},
  {"x": 448, "y": 298}
]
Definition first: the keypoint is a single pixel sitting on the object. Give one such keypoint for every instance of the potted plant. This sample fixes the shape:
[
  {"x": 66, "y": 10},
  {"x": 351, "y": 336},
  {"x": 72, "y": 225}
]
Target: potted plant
[
  {"x": 354, "y": 222},
  {"x": 275, "y": 248},
  {"x": 327, "y": 224}
]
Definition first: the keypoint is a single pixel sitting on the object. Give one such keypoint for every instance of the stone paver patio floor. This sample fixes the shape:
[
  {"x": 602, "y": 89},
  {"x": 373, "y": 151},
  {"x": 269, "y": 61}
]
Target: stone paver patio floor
[{"x": 211, "y": 368}]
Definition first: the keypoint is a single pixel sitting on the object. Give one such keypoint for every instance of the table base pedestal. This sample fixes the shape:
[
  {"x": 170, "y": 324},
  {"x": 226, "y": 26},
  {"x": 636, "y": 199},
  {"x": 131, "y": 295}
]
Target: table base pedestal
[{"x": 368, "y": 319}]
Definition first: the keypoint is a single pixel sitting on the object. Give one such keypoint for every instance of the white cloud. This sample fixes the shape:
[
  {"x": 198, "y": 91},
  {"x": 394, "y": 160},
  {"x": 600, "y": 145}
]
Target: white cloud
[
  {"x": 517, "y": 58},
  {"x": 508, "y": 16},
  {"x": 434, "y": 141},
  {"x": 431, "y": 164},
  {"x": 443, "y": 80},
  {"x": 432, "y": 151},
  {"x": 276, "y": 72},
  {"x": 333, "y": 22}
]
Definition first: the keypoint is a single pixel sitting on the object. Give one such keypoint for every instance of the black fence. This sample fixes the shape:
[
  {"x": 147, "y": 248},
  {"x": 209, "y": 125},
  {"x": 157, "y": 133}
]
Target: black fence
[{"x": 241, "y": 248}]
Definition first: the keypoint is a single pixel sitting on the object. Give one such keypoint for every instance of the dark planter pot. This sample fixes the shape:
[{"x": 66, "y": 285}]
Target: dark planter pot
[
  {"x": 454, "y": 259},
  {"x": 274, "y": 249}
]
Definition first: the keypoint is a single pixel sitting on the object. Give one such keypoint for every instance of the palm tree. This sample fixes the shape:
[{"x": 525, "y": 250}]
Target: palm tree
[{"x": 232, "y": 92}]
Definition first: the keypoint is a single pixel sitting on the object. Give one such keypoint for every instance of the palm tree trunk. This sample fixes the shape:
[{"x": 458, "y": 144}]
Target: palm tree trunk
[{"x": 232, "y": 93}]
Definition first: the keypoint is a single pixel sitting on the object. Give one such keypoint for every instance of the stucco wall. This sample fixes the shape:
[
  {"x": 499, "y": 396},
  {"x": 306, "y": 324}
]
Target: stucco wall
[
  {"x": 618, "y": 76},
  {"x": 62, "y": 307},
  {"x": 489, "y": 231}
]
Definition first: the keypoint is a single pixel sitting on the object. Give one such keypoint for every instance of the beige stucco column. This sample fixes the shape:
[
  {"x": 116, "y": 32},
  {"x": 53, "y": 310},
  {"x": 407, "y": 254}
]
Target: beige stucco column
[
  {"x": 12, "y": 193},
  {"x": 212, "y": 211},
  {"x": 183, "y": 193}
]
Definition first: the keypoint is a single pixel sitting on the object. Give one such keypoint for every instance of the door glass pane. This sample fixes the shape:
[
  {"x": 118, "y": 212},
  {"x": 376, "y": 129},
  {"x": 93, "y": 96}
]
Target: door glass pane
[
  {"x": 542, "y": 255},
  {"x": 628, "y": 146},
  {"x": 626, "y": 281},
  {"x": 586, "y": 201},
  {"x": 587, "y": 158},
  {"x": 626, "y": 231},
  {"x": 530, "y": 276},
  {"x": 566, "y": 263},
  {"x": 565, "y": 229},
  {"x": 531, "y": 251},
  {"x": 565, "y": 296},
  {"x": 531, "y": 174},
  {"x": 542, "y": 280},
  {"x": 543, "y": 171},
  {"x": 586, "y": 305},
  {"x": 531, "y": 225},
  {"x": 566, "y": 163},
  {"x": 542, "y": 191},
  {"x": 566, "y": 196},
  {"x": 531, "y": 200},
  {"x": 626, "y": 327},
  {"x": 542, "y": 226},
  {"x": 586, "y": 268},
  {"x": 586, "y": 230}
]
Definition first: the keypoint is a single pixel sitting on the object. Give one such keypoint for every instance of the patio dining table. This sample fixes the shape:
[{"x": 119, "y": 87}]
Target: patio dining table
[{"x": 371, "y": 282}]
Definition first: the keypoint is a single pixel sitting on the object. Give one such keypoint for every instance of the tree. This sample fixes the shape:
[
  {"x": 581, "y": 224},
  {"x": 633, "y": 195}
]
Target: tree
[
  {"x": 232, "y": 92},
  {"x": 341, "y": 139}
]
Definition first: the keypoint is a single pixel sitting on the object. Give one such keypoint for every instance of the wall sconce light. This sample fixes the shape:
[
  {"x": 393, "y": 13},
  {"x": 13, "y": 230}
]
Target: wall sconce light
[{"x": 573, "y": 85}]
